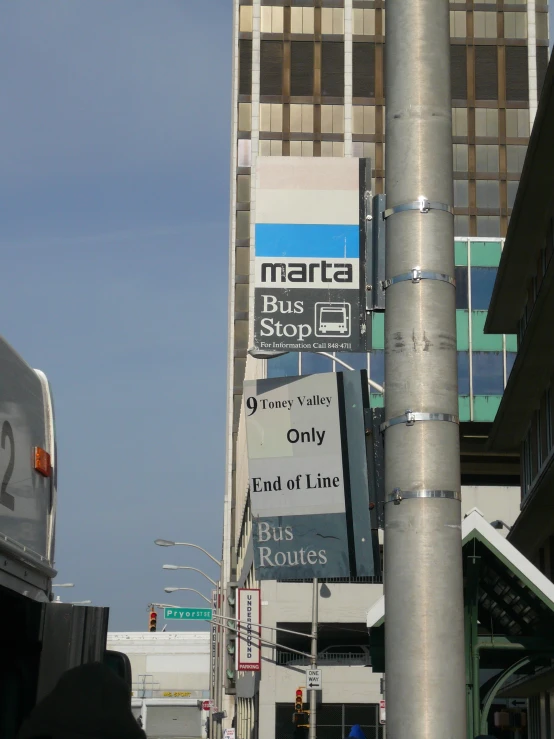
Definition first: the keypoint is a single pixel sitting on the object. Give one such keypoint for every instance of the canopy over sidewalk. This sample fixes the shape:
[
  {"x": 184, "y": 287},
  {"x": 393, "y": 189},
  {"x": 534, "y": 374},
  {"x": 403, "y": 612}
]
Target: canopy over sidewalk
[{"x": 509, "y": 619}]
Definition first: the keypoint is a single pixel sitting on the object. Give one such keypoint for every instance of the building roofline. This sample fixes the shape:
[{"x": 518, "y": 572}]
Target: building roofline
[{"x": 528, "y": 220}]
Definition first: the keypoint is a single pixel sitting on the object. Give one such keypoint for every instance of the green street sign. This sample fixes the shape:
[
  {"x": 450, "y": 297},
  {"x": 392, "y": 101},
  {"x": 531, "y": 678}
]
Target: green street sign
[{"x": 188, "y": 614}]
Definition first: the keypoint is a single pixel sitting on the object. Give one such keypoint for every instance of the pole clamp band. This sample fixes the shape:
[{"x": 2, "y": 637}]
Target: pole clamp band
[
  {"x": 416, "y": 275},
  {"x": 410, "y": 417},
  {"x": 421, "y": 204},
  {"x": 397, "y": 495}
]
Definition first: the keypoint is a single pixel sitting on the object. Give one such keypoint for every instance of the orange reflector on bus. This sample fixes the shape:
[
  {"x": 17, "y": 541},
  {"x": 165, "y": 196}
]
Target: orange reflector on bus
[{"x": 42, "y": 462}]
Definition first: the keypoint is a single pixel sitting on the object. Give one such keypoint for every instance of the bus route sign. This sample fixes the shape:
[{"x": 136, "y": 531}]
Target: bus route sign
[{"x": 188, "y": 614}]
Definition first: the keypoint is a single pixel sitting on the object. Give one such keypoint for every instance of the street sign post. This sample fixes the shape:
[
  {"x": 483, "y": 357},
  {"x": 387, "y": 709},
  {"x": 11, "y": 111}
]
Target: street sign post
[
  {"x": 188, "y": 614},
  {"x": 313, "y": 679}
]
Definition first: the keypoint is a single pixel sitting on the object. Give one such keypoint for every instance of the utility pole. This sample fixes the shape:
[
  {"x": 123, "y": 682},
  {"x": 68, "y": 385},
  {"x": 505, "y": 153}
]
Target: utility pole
[
  {"x": 313, "y": 661},
  {"x": 424, "y": 642}
]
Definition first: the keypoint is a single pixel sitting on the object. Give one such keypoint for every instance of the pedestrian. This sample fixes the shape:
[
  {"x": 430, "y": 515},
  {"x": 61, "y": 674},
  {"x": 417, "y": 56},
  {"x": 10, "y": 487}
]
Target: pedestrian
[{"x": 89, "y": 702}]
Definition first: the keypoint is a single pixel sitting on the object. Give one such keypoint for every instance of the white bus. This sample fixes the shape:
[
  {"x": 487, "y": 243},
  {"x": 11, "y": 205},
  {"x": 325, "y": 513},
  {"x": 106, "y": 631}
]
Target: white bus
[{"x": 39, "y": 638}]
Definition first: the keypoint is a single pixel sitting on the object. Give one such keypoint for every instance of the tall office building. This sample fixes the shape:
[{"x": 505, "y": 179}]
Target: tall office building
[{"x": 308, "y": 80}]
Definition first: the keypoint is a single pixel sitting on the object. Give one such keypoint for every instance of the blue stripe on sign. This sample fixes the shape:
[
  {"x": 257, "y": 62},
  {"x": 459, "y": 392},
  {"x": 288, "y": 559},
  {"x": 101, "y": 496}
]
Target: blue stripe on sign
[{"x": 307, "y": 240}]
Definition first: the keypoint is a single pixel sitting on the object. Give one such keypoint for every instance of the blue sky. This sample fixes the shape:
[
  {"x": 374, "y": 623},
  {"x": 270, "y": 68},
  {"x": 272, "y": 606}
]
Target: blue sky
[{"x": 114, "y": 172}]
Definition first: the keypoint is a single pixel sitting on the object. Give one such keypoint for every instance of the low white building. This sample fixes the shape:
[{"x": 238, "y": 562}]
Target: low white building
[{"x": 171, "y": 674}]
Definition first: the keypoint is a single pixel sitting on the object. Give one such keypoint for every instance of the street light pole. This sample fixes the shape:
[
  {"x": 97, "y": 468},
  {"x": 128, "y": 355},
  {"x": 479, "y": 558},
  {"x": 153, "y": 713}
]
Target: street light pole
[
  {"x": 313, "y": 660},
  {"x": 424, "y": 635},
  {"x": 192, "y": 590}
]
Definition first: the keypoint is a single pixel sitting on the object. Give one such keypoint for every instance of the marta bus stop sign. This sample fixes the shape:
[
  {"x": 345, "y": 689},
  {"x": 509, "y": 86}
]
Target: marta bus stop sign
[{"x": 310, "y": 254}]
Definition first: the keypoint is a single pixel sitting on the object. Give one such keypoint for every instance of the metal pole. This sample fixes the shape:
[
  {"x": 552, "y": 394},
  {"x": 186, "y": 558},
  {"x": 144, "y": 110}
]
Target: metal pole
[
  {"x": 313, "y": 661},
  {"x": 219, "y": 665},
  {"x": 424, "y": 633}
]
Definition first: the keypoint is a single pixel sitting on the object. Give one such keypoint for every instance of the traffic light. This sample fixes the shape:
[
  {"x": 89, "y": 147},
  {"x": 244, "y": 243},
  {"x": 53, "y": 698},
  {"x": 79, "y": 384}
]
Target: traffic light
[
  {"x": 298, "y": 701},
  {"x": 300, "y": 717},
  {"x": 152, "y": 621}
]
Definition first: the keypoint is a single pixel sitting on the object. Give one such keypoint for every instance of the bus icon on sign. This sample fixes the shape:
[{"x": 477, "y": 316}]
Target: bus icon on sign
[{"x": 332, "y": 319}]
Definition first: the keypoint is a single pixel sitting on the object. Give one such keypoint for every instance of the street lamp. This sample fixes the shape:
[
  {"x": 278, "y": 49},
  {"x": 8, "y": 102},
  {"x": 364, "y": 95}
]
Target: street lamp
[
  {"x": 260, "y": 354},
  {"x": 167, "y": 543},
  {"x": 63, "y": 585},
  {"x": 498, "y": 524},
  {"x": 186, "y": 567},
  {"x": 173, "y": 590}
]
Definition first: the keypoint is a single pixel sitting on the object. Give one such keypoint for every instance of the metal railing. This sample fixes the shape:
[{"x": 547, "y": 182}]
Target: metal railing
[
  {"x": 354, "y": 659},
  {"x": 375, "y": 580}
]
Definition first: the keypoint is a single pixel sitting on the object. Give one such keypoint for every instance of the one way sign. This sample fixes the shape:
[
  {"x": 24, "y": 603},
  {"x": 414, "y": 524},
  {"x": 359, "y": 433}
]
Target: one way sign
[{"x": 313, "y": 680}]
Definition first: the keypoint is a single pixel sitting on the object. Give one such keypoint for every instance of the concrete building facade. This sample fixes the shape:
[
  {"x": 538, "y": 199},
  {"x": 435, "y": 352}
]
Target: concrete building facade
[
  {"x": 171, "y": 674},
  {"x": 523, "y": 302}
]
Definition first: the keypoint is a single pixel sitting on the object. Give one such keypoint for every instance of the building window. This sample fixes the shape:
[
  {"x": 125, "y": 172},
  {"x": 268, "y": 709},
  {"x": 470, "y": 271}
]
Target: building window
[
  {"x": 458, "y": 24},
  {"x": 458, "y": 71},
  {"x": 463, "y": 373},
  {"x": 486, "y": 156},
  {"x": 301, "y": 118},
  {"x": 302, "y": 68},
  {"x": 363, "y": 69},
  {"x": 515, "y": 25},
  {"x": 542, "y": 26},
  {"x": 363, "y": 22},
  {"x": 245, "y": 19},
  {"x": 364, "y": 150},
  {"x": 461, "y": 193},
  {"x": 461, "y": 225},
  {"x": 517, "y": 79},
  {"x": 245, "y": 66},
  {"x": 486, "y": 122},
  {"x": 332, "y": 149},
  {"x": 271, "y": 117},
  {"x": 245, "y": 117},
  {"x": 510, "y": 359},
  {"x": 285, "y": 366},
  {"x": 484, "y": 24},
  {"x": 363, "y": 119},
  {"x": 301, "y": 148},
  {"x": 272, "y": 19},
  {"x": 271, "y": 148},
  {"x": 482, "y": 283},
  {"x": 460, "y": 274},
  {"x": 332, "y": 21},
  {"x": 332, "y": 68},
  {"x": 459, "y": 122},
  {"x": 488, "y": 373},
  {"x": 515, "y": 156},
  {"x": 332, "y": 118},
  {"x": 243, "y": 188},
  {"x": 512, "y": 192},
  {"x": 302, "y": 20},
  {"x": 244, "y": 153},
  {"x": 271, "y": 68},
  {"x": 460, "y": 152},
  {"x": 488, "y": 194},
  {"x": 312, "y": 364},
  {"x": 486, "y": 73},
  {"x": 356, "y": 361},
  {"x": 488, "y": 226},
  {"x": 243, "y": 225},
  {"x": 377, "y": 366},
  {"x": 517, "y": 123}
]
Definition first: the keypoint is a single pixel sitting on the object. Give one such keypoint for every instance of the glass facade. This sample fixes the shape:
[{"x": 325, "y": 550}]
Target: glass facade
[{"x": 484, "y": 361}]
